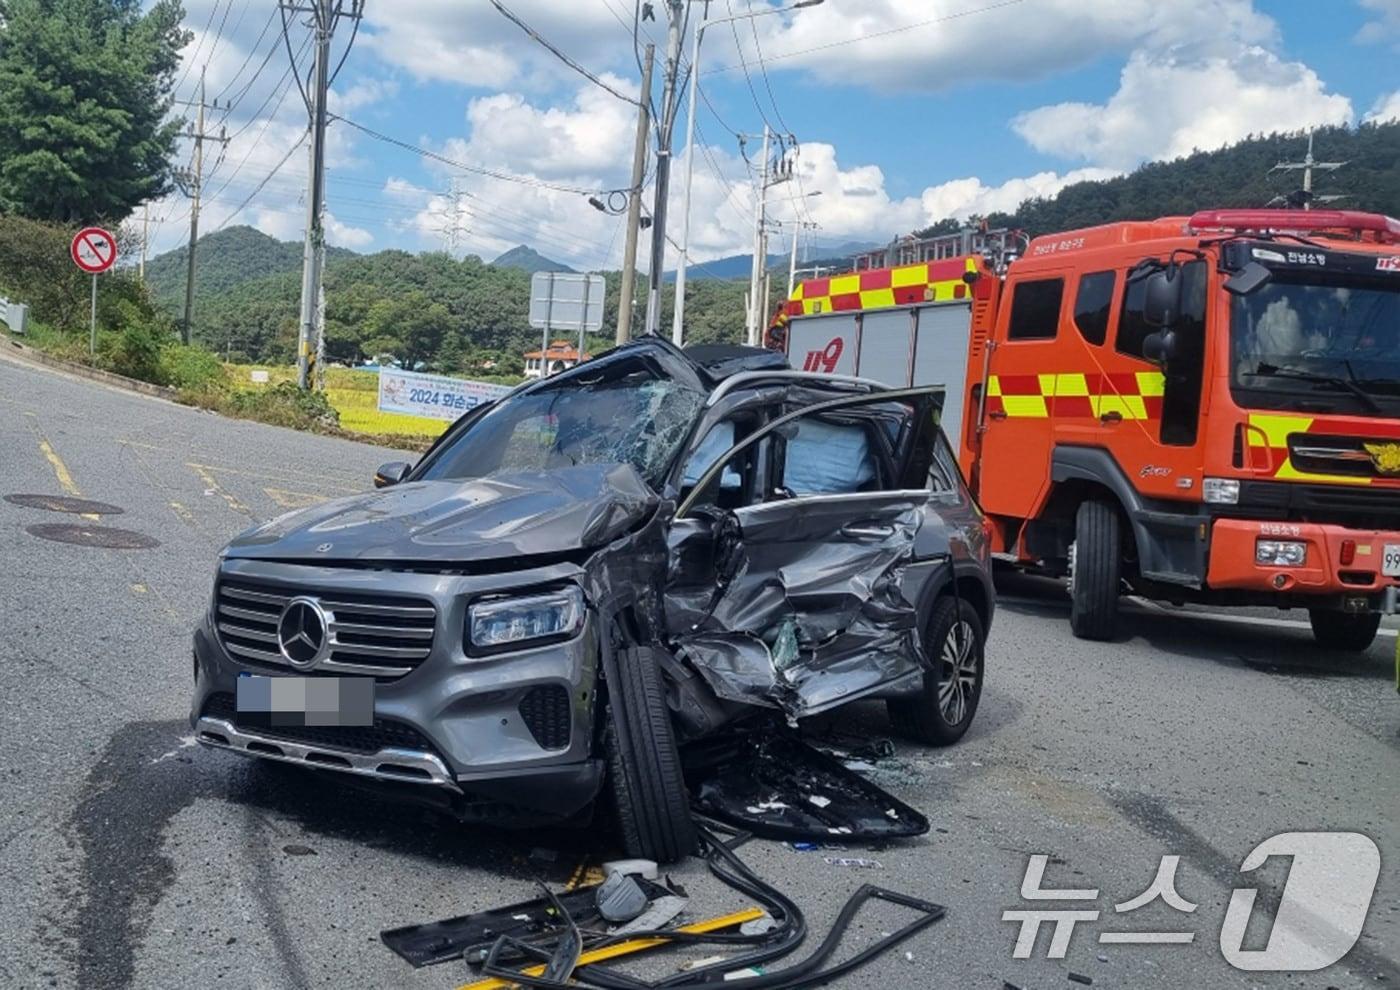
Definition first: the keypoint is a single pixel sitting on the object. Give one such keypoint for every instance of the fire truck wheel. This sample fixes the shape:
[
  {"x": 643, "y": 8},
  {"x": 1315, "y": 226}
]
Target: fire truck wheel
[
  {"x": 943, "y": 710},
  {"x": 1344, "y": 630},
  {"x": 1095, "y": 571}
]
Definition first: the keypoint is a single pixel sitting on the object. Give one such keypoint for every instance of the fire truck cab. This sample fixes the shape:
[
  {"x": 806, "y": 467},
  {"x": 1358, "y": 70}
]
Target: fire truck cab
[{"x": 1200, "y": 408}]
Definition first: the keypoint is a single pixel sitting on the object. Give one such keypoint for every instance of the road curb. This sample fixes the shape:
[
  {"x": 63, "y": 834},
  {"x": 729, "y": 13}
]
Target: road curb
[{"x": 37, "y": 356}]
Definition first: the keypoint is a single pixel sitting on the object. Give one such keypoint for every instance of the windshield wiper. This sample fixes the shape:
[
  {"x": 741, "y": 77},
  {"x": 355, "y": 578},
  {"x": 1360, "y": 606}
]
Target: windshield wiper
[{"x": 1348, "y": 384}]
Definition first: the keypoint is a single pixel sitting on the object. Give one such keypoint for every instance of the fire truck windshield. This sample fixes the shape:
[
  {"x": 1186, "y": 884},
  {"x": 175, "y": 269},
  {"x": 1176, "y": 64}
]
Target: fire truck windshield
[{"x": 1330, "y": 346}]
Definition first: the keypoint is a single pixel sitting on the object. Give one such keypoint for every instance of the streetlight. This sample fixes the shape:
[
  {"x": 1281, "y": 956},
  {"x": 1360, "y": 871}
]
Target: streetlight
[{"x": 679, "y": 320}]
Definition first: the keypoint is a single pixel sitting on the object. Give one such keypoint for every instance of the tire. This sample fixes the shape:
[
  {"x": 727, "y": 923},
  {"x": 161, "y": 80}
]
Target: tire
[
  {"x": 941, "y": 714},
  {"x": 650, "y": 803},
  {"x": 1095, "y": 571},
  {"x": 1351, "y": 632}
]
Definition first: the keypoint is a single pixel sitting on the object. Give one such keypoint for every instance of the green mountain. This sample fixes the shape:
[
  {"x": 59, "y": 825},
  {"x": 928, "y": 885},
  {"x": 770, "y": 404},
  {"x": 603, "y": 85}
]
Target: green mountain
[
  {"x": 225, "y": 259},
  {"x": 527, "y": 259}
]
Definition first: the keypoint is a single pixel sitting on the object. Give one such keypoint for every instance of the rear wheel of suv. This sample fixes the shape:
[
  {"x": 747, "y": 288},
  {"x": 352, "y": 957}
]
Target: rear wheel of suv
[
  {"x": 1350, "y": 631},
  {"x": 953, "y": 685},
  {"x": 1095, "y": 573},
  {"x": 644, "y": 767}
]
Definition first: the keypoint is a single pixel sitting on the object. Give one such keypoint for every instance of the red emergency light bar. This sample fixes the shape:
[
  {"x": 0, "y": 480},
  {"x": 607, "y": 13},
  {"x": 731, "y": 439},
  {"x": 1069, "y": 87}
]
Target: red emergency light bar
[{"x": 1382, "y": 229}]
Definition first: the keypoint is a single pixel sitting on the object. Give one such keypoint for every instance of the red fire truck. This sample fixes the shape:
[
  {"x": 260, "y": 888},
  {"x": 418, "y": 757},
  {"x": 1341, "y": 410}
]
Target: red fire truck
[{"x": 1201, "y": 408}]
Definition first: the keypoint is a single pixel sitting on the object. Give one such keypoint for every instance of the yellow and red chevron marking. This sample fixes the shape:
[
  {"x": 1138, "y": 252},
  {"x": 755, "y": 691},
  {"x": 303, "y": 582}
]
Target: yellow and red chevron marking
[
  {"x": 1270, "y": 432},
  {"x": 1132, "y": 395},
  {"x": 927, "y": 281}
]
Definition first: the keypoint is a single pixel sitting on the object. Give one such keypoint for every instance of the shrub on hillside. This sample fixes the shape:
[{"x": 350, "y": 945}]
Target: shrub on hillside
[
  {"x": 191, "y": 367},
  {"x": 281, "y": 405}
]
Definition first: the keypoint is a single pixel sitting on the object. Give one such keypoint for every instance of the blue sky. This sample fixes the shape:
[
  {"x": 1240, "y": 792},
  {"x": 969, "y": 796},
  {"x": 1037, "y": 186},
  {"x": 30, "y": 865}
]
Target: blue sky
[{"x": 905, "y": 111}]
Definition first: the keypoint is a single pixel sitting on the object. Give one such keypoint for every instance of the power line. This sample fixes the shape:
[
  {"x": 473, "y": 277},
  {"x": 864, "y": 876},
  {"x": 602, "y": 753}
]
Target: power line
[
  {"x": 527, "y": 180},
  {"x": 266, "y": 179},
  {"x": 748, "y": 79},
  {"x": 767, "y": 83},
  {"x": 554, "y": 50},
  {"x": 877, "y": 34},
  {"x": 194, "y": 56}
]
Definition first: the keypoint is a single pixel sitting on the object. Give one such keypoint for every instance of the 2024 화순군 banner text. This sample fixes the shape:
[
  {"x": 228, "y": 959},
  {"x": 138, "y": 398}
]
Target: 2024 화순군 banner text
[{"x": 432, "y": 396}]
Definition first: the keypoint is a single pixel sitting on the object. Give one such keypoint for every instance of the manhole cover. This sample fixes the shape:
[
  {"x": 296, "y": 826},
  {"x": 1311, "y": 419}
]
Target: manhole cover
[
  {"x": 107, "y": 537},
  {"x": 62, "y": 503}
]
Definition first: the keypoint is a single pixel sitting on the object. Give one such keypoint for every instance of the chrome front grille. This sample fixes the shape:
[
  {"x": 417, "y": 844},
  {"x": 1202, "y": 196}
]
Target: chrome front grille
[{"x": 373, "y": 635}]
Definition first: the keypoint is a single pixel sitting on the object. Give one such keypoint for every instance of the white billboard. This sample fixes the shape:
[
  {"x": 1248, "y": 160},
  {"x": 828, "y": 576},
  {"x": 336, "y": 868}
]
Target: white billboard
[{"x": 432, "y": 396}]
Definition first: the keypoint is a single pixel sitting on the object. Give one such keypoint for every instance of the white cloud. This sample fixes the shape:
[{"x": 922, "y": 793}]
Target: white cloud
[
  {"x": 1385, "y": 25},
  {"x": 1386, "y": 108},
  {"x": 474, "y": 45},
  {"x": 941, "y": 44},
  {"x": 962, "y": 198},
  {"x": 1168, "y": 105}
]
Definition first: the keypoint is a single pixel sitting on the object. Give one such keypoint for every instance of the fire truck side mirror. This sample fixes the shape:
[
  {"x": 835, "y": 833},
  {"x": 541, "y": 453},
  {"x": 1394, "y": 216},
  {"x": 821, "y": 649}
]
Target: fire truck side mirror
[
  {"x": 1160, "y": 347},
  {"x": 1161, "y": 298}
]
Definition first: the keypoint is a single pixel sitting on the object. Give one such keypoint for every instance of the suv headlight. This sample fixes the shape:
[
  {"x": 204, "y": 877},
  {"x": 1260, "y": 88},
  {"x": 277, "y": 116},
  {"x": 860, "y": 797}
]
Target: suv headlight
[
  {"x": 1220, "y": 491},
  {"x": 1280, "y": 553},
  {"x": 502, "y": 622}
]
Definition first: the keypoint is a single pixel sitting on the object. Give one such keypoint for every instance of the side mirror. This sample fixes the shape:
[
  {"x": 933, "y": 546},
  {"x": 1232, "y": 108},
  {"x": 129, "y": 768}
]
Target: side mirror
[
  {"x": 1248, "y": 279},
  {"x": 1161, "y": 299},
  {"x": 391, "y": 473},
  {"x": 1160, "y": 347}
]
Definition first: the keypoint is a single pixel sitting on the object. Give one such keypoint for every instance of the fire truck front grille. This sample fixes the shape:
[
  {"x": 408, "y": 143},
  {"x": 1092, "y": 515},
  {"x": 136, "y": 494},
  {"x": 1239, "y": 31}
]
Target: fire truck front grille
[{"x": 1362, "y": 507}]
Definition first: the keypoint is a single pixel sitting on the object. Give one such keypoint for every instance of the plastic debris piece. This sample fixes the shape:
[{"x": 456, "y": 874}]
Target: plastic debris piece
[
  {"x": 1080, "y": 978},
  {"x": 908, "y": 957},
  {"x": 620, "y": 899},
  {"x": 644, "y": 868},
  {"x": 854, "y": 862},
  {"x": 693, "y": 964},
  {"x": 807, "y": 847},
  {"x": 744, "y": 974},
  {"x": 758, "y": 926},
  {"x": 818, "y": 800},
  {"x": 298, "y": 850}
]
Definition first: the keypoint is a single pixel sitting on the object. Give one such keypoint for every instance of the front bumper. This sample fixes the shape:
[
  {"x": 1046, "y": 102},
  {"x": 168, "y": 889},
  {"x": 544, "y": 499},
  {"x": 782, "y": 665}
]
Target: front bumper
[
  {"x": 457, "y": 723},
  {"x": 1322, "y": 574}
]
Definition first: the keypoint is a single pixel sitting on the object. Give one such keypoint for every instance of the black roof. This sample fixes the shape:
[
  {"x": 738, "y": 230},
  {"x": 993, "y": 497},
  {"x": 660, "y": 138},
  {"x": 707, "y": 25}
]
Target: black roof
[{"x": 719, "y": 361}]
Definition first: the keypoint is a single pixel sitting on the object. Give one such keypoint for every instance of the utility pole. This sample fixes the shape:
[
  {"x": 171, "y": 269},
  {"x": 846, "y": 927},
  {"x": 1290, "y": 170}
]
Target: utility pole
[
  {"x": 325, "y": 14},
  {"x": 1305, "y": 197},
  {"x": 634, "y": 204},
  {"x": 771, "y": 173},
  {"x": 676, "y": 13},
  {"x": 797, "y": 227},
  {"x": 145, "y": 237},
  {"x": 192, "y": 185}
]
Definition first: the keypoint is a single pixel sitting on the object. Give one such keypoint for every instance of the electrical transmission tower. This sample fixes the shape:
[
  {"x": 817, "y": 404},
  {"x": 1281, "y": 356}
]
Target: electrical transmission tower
[
  {"x": 191, "y": 183},
  {"x": 1304, "y": 197},
  {"x": 323, "y": 17}
]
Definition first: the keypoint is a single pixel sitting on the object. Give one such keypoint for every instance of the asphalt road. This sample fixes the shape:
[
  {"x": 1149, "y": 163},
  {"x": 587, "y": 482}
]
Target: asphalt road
[{"x": 134, "y": 858}]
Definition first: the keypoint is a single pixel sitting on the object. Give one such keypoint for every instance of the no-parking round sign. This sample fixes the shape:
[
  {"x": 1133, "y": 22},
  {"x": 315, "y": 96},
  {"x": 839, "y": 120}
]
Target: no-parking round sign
[{"x": 94, "y": 250}]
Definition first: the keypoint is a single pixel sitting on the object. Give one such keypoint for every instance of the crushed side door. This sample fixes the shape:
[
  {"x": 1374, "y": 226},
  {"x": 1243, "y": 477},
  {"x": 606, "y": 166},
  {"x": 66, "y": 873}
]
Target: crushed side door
[{"x": 807, "y": 608}]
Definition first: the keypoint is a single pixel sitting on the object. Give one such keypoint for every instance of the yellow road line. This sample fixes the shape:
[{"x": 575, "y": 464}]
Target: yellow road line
[
  {"x": 185, "y": 514},
  {"x": 65, "y": 477},
  {"x": 339, "y": 483},
  {"x": 293, "y": 500},
  {"x": 232, "y": 500},
  {"x": 629, "y": 947}
]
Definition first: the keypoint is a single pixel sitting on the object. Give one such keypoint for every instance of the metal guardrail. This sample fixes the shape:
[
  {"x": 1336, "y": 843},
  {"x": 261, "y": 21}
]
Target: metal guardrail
[{"x": 15, "y": 315}]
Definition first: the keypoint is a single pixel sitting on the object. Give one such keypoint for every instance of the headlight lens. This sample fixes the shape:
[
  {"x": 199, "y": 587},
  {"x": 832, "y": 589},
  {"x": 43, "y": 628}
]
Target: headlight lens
[
  {"x": 494, "y": 624},
  {"x": 1280, "y": 553},
  {"x": 1221, "y": 491}
]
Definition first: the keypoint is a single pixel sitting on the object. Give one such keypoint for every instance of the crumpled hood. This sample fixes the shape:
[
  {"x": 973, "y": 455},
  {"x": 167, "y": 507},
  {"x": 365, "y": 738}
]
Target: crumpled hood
[{"x": 505, "y": 516}]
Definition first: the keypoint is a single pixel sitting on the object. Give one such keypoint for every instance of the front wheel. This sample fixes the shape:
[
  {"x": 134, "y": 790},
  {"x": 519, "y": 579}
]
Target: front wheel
[
  {"x": 644, "y": 768},
  {"x": 952, "y": 687},
  {"x": 1350, "y": 631},
  {"x": 1095, "y": 573}
]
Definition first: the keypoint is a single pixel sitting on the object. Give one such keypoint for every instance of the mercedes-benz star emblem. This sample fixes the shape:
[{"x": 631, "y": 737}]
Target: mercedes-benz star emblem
[{"x": 304, "y": 633}]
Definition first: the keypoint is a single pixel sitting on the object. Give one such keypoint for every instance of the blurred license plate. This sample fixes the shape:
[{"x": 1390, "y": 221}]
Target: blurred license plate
[
  {"x": 1390, "y": 563},
  {"x": 305, "y": 701}
]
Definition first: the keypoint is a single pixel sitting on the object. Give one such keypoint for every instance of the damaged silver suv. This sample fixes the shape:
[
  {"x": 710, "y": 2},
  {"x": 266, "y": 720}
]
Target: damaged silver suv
[{"x": 583, "y": 576}]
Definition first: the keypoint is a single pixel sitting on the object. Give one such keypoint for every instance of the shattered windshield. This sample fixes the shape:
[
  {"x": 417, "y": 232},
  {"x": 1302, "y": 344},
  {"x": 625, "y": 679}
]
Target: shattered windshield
[
  {"x": 626, "y": 412},
  {"x": 1332, "y": 346}
]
